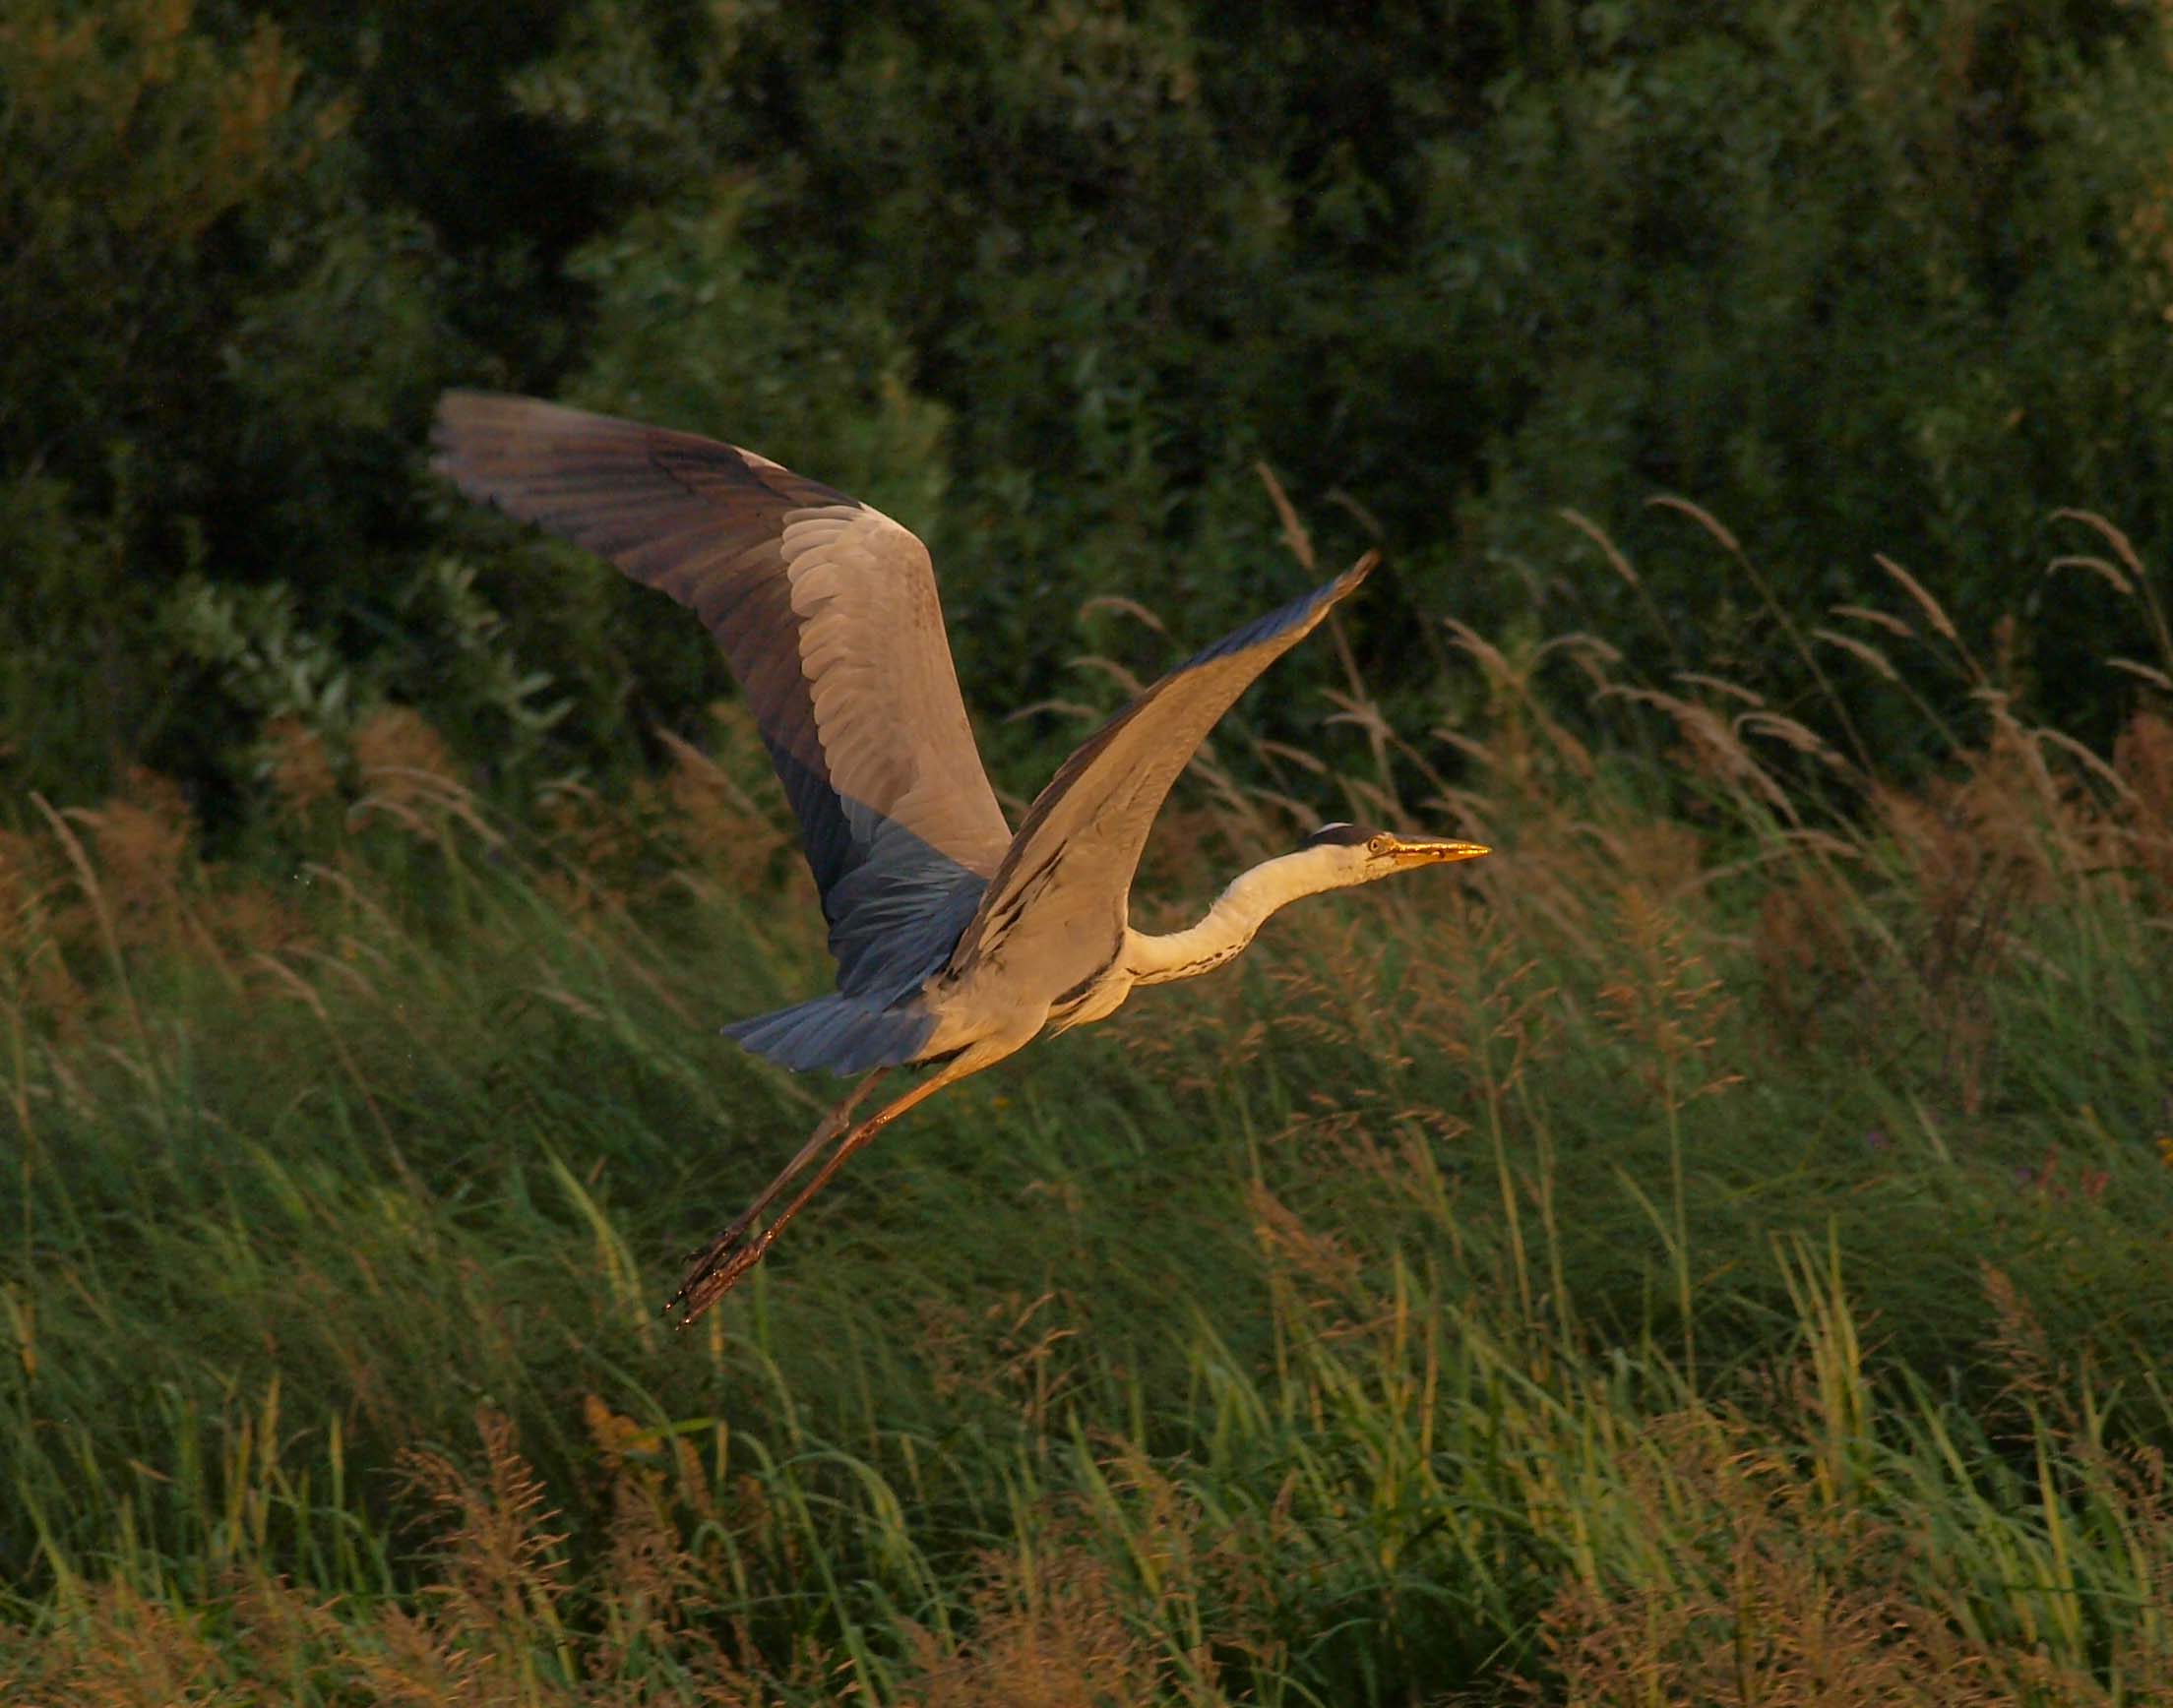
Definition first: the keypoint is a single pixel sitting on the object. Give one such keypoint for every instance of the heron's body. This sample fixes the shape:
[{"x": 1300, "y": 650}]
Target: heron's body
[{"x": 957, "y": 940}]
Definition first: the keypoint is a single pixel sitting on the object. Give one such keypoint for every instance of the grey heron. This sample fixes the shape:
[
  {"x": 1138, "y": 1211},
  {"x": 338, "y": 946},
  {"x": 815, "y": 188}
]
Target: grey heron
[{"x": 958, "y": 941}]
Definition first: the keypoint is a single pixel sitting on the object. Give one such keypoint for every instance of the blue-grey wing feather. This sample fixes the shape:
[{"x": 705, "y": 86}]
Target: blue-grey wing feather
[
  {"x": 845, "y": 1034},
  {"x": 827, "y": 613}
]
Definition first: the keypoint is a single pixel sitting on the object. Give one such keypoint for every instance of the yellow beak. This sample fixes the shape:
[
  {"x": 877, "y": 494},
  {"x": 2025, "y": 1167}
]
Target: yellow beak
[{"x": 1433, "y": 850}]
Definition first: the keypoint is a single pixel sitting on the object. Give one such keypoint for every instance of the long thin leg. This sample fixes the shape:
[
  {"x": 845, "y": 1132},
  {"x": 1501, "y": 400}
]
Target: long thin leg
[
  {"x": 718, "y": 1267},
  {"x": 825, "y": 1129}
]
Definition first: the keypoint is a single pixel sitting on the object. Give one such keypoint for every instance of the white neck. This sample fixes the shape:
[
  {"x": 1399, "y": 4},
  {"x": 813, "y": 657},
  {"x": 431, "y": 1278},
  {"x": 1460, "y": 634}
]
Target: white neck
[{"x": 1237, "y": 914}]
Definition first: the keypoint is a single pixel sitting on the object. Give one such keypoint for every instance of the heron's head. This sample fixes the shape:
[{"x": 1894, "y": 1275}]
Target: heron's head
[{"x": 1357, "y": 855}]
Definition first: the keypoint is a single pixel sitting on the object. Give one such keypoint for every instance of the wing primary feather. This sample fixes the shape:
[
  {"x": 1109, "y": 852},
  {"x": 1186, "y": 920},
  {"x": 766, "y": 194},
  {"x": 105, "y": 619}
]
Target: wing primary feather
[
  {"x": 855, "y": 695},
  {"x": 1098, "y": 809}
]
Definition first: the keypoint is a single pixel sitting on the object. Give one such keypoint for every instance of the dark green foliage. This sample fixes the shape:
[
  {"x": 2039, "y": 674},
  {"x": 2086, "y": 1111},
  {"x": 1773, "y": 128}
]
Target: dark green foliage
[
  {"x": 1047, "y": 279},
  {"x": 213, "y": 358},
  {"x": 1839, "y": 267}
]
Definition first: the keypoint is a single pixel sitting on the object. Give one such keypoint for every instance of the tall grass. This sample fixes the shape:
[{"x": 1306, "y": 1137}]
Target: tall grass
[{"x": 1712, "y": 1252}]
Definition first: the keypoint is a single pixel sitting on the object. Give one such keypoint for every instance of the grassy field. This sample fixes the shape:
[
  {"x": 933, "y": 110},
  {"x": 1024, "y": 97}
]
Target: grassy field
[{"x": 1713, "y": 1251}]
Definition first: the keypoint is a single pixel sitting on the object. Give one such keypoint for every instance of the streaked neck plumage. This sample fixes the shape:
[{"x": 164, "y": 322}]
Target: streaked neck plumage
[{"x": 1237, "y": 914}]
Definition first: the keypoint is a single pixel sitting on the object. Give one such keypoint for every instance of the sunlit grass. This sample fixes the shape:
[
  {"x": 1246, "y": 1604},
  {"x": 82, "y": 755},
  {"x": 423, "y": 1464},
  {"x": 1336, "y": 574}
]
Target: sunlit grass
[{"x": 1711, "y": 1252}]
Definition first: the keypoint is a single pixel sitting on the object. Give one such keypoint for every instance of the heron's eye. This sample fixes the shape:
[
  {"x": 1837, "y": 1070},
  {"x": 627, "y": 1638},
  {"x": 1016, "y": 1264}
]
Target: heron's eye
[{"x": 1379, "y": 845}]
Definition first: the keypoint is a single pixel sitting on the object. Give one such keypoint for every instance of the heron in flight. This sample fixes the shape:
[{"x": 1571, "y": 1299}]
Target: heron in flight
[{"x": 958, "y": 940}]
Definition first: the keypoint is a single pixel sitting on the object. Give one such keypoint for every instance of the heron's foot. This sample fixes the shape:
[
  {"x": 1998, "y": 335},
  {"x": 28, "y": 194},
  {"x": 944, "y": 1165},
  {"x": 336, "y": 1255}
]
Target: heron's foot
[{"x": 713, "y": 1271}]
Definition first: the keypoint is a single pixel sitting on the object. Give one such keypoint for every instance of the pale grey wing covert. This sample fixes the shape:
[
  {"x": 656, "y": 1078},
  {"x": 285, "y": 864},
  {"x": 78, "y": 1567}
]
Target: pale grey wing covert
[
  {"x": 826, "y": 611},
  {"x": 1057, "y": 903}
]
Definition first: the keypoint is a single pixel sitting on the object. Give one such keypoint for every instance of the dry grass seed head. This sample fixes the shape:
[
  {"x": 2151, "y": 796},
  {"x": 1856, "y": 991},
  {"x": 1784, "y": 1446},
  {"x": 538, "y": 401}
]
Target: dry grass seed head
[
  {"x": 1666, "y": 1004},
  {"x": 502, "y": 1570},
  {"x": 1713, "y": 751},
  {"x": 1327, "y": 977},
  {"x": 410, "y": 1662},
  {"x": 404, "y": 762},
  {"x": 42, "y": 914},
  {"x": 300, "y": 768},
  {"x": 2142, "y": 756},
  {"x": 1806, "y": 951},
  {"x": 1527, "y": 749},
  {"x": 143, "y": 838},
  {"x": 1992, "y": 833},
  {"x": 1197, "y": 1569},
  {"x": 251, "y": 920},
  {"x": 1861, "y": 650},
  {"x": 282, "y": 1631},
  {"x": 1320, "y": 1270},
  {"x": 2005, "y": 837},
  {"x": 1012, "y": 1353},
  {"x": 119, "y": 1649},
  {"x": 1933, "y": 610},
  {"x": 26, "y": 881},
  {"x": 1660, "y": 857},
  {"x": 1346, "y": 1145},
  {"x": 722, "y": 826},
  {"x": 407, "y": 777},
  {"x": 1552, "y": 888},
  {"x": 1768, "y": 1596},
  {"x": 1048, "y": 1632},
  {"x": 2023, "y": 1350},
  {"x": 660, "y": 1588},
  {"x": 600, "y": 848}
]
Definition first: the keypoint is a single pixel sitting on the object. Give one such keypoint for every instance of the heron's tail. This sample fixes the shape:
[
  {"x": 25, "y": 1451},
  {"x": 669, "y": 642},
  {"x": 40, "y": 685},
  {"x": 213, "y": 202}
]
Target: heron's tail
[{"x": 845, "y": 1034}]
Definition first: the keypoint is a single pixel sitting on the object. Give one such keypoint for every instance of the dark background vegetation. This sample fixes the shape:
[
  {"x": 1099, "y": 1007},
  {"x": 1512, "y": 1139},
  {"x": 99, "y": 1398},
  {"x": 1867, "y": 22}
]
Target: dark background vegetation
[{"x": 1045, "y": 279}]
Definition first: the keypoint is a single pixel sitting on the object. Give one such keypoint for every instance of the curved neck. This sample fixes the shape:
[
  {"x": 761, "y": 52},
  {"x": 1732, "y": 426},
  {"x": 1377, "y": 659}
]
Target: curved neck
[{"x": 1236, "y": 915}]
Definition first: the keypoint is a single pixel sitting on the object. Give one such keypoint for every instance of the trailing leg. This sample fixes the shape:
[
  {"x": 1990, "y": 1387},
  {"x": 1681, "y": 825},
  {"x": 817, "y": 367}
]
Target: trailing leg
[
  {"x": 718, "y": 1268},
  {"x": 825, "y": 1129}
]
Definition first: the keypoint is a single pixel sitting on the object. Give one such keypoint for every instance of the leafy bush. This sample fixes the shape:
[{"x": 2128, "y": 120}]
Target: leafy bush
[{"x": 1049, "y": 279}]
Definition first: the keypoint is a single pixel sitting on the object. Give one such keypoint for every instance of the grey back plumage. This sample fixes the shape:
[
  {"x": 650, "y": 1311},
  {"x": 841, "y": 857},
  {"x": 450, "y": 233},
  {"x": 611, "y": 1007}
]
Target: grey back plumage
[
  {"x": 1057, "y": 901},
  {"x": 827, "y": 613}
]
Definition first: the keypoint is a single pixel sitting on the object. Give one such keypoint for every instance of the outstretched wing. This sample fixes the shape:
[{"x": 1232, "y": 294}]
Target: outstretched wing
[
  {"x": 1057, "y": 903},
  {"x": 826, "y": 611}
]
